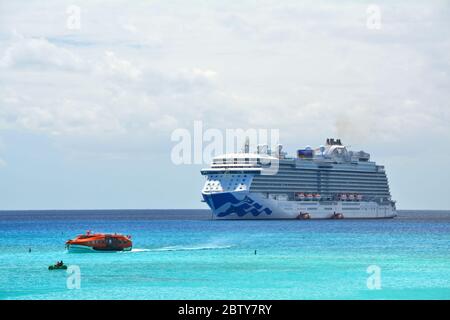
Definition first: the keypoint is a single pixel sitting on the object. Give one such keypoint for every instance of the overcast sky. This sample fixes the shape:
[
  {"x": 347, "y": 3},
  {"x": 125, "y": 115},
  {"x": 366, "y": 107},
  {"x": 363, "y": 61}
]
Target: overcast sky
[{"x": 87, "y": 106}]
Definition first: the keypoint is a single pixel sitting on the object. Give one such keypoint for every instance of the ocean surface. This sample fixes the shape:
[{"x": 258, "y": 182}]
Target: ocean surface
[{"x": 183, "y": 254}]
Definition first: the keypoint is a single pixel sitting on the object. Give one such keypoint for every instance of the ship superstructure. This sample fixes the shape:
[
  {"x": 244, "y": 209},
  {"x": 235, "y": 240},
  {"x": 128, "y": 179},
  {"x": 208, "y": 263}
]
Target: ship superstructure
[{"x": 326, "y": 182}]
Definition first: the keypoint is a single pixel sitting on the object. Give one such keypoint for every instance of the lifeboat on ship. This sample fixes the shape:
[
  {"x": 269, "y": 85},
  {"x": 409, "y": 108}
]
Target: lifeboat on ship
[
  {"x": 301, "y": 196},
  {"x": 101, "y": 242},
  {"x": 304, "y": 216},
  {"x": 337, "y": 216}
]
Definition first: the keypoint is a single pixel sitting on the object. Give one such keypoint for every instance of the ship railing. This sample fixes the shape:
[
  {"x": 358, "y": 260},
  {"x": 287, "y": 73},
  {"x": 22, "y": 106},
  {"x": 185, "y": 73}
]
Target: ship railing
[{"x": 230, "y": 171}]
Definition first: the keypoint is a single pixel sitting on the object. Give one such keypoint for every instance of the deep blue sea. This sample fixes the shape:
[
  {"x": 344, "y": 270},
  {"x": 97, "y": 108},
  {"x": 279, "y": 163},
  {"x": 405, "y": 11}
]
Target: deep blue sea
[{"x": 182, "y": 254}]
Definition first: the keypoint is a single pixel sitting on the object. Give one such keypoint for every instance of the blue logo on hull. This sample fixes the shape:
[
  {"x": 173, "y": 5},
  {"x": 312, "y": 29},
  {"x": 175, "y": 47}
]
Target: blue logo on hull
[{"x": 239, "y": 207}]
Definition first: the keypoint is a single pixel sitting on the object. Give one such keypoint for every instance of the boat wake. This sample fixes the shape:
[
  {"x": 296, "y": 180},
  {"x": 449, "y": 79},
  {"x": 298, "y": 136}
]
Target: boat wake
[
  {"x": 140, "y": 250},
  {"x": 185, "y": 248}
]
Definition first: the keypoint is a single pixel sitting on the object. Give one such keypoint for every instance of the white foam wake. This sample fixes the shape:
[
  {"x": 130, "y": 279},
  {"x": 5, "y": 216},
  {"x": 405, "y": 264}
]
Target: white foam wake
[
  {"x": 194, "y": 247},
  {"x": 185, "y": 248},
  {"x": 140, "y": 250}
]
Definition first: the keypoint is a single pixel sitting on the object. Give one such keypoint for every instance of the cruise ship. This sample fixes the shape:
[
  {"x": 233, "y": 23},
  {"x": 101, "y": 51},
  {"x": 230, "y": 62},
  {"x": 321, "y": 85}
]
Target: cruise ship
[{"x": 328, "y": 182}]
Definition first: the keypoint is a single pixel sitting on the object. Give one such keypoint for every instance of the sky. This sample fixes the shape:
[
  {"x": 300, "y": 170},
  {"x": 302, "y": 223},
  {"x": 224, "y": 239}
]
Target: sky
[{"x": 91, "y": 92}]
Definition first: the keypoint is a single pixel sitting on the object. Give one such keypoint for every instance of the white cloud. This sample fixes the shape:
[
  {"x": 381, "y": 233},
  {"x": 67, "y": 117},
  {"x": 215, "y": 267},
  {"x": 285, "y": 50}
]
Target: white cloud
[
  {"x": 130, "y": 27},
  {"x": 312, "y": 70},
  {"x": 39, "y": 53},
  {"x": 112, "y": 66}
]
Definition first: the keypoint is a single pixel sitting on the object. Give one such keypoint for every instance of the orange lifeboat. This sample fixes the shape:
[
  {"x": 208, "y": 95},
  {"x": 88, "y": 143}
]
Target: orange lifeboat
[{"x": 99, "y": 242}]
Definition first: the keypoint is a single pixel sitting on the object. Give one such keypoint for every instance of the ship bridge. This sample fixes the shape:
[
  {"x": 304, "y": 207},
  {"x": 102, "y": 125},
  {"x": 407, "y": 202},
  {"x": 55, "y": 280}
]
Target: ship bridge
[{"x": 239, "y": 163}]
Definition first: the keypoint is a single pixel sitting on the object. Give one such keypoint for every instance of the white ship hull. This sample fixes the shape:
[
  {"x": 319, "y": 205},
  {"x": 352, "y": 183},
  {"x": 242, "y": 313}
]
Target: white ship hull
[{"x": 246, "y": 205}]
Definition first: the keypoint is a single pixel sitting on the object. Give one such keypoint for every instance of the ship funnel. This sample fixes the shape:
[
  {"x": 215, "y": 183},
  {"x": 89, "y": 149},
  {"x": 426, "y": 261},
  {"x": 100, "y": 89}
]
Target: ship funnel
[{"x": 333, "y": 142}]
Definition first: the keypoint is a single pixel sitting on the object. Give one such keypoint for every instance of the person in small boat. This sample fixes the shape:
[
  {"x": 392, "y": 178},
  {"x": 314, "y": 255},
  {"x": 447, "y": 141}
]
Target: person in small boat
[{"x": 59, "y": 263}]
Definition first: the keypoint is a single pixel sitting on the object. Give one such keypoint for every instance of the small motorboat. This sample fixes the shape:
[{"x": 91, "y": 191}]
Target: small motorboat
[
  {"x": 58, "y": 266},
  {"x": 100, "y": 242}
]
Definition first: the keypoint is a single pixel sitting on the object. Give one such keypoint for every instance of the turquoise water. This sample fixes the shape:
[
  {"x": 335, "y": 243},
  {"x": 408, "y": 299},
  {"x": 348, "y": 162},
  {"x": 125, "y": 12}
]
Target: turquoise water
[{"x": 181, "y": 258}]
